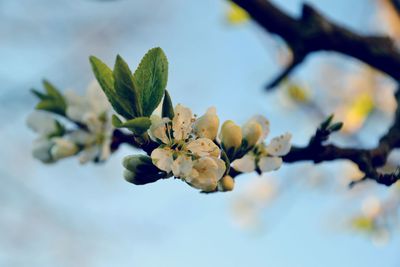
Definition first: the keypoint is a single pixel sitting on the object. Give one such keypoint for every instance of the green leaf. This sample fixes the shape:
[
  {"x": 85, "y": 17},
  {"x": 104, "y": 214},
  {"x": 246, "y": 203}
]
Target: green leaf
[
  {"x": 116, "y": 122},
  {"x": 125, "y": 89},
  {"x": 150, "y": 79},
  {"x": 137, "y": 125},
  {"x": 52, "y": 91},
  {"x": 105, "y": 77},
  {"x": 51, "y": 106},
  {"x": 40, "y": 95},
  {"x": 167, "y": 108}
]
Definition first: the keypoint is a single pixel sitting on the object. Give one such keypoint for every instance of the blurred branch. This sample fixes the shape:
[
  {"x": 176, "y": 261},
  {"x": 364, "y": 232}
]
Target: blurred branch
[
  {"x": 120, "y": 137},
  {"x": 367, "y": 160},
  {"x": 312, "y": 32},
  {"x": 396, "y": 5}
]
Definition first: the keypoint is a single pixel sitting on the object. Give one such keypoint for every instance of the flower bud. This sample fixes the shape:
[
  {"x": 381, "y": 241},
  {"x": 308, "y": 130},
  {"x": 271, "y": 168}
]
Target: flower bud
[
  {"x": 252, "y": 132},
  {"x": 226, "y": 184},
  {"x": 41, "y": 150},
  {"x": 207, "y": 125},
  {"x": 231, "y": 135},
  {"x": 63, "y": 148},
  {"x": 140, "y": 170}
]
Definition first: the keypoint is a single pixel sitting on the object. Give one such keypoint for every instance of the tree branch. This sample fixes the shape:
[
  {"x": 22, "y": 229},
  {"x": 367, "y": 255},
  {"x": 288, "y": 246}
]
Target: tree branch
[{"x": 312, "y": 32}]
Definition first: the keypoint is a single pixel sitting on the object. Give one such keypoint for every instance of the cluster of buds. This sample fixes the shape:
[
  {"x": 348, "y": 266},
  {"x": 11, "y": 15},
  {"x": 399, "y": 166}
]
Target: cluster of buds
[{"x": 90, "y": 119}]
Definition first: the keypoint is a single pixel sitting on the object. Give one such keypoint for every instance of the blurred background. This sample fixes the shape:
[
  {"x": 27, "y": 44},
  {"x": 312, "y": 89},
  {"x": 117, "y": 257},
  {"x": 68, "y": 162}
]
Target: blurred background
[{"x": 303, "y": 215}]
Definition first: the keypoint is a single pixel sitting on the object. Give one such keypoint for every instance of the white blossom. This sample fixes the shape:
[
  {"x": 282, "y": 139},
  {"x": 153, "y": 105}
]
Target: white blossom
[
  {"x": 265, "y": 157},
  {"x": 280, "y": 145},
  {"x": 207, "y": 125},
  {"x": 183, "y": 153},
  {"x": 207, "y": 171}
]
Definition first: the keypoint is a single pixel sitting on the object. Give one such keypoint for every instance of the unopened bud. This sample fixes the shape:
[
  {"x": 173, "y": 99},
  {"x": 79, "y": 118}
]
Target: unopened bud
[
  {"x": 231, "y": 135},
  {"x": 252, "y": 132},
  {"x": 226, "y": 184},
  {"x": 140, "y": 170},
  {"x": 63, "y": 148}
]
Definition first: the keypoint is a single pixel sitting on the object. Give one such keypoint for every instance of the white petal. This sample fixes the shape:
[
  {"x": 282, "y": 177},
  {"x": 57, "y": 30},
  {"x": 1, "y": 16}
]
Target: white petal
[
  {"x": 97, "y": 99},
  {"x": 158, "y": 129},
  {"x": 207, "y": 172},
  {"x": 81, "y": 137},
  {"x": 182, "y": 166},
  {"x": 76, "y": 106},
  {"x": 245, "y": 164},
  {"x": 182, "y": 122},
  {"x": 92, "y": 121},
  {"x": 203, "y": 147},
  {"x": 207, "y": 125},
  {"x": 267, "y": 164},
  {"x": 88, "y": 154},
  {"x": 41, "y": 122},
  {"x": 41, "y": 150},
  {"x": 264, "y": 125},
  {"x": 105, "y": 150},
  {"x": 280, "y": 145},
  {"x": 163, "y": 158},
  {"x": 63, "y": 148}
]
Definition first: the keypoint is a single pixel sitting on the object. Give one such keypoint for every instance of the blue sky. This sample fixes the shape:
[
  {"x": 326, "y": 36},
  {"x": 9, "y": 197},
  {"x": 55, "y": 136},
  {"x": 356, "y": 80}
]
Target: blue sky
[{"x": 71, "y": 215}]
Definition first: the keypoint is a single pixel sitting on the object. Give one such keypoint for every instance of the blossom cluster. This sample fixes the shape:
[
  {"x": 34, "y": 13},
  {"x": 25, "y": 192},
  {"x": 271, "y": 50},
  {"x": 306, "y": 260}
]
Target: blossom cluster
[
  {"x": 177, "y": 143},
  {"x": 91, "y": 132},
  {"x": 191, "y": 149}
]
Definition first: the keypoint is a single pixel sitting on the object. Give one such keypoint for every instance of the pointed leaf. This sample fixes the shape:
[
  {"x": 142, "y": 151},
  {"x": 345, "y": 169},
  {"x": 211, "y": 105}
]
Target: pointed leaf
[
  {"x": 51, "y": 106},
  {"x": 167, "y": 108},
  {"x": 137, "y": 125},
  {"x": 104, "y": 76},
  {"x": 116, "y": 122},
  {"x": 150, "y": 79},
  {"x": 124, "y": 87}
]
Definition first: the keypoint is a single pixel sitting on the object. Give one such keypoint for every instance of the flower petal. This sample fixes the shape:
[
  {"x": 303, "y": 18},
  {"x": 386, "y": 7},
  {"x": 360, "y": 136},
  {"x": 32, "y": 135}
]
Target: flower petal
[
  {"x": 97, "y": 99},
  {"x": 41, "y": 150},
  {"x": 264, "y": 125},
  {"x": 182, "y": 166},
  {"x": 182, "y": 122},
  {"x": 63, "y": 148},
  {"x": 163, "y": 158},
  {"x": 245, "y": 164},
  {"x": 203, "y": 147},
  {"x": 158, "y": 129},
  {"x": 267, "y": 164},
  {"x": 88, "y": 154},
  {"x": 207, "y": 172},
  {"x": 41, "y": 122},
  {"x": 280, "y": 145},
  {"x": 207, "y": 125}
]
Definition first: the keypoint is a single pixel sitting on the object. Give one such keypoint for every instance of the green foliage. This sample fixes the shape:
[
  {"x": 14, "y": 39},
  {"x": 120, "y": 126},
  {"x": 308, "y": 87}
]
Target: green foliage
[
  {"x": 150, "y": 79},
  {"x": 167, "y": 108},
  {"x": 52, "y": 100},
  {"x": 137, "y": 125},
  {"x": 123, "y": 82},
  {"x": 105, "y": 77},
  {"x": 137, "y": 95}
]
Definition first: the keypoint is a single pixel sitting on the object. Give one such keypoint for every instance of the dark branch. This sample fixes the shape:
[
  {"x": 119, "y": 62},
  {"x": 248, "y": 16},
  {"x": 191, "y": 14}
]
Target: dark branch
[
  {"x": 120, "y": 137},
  {"x": 312, "y": 32},
  {"x": 368, "y": 160}
]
